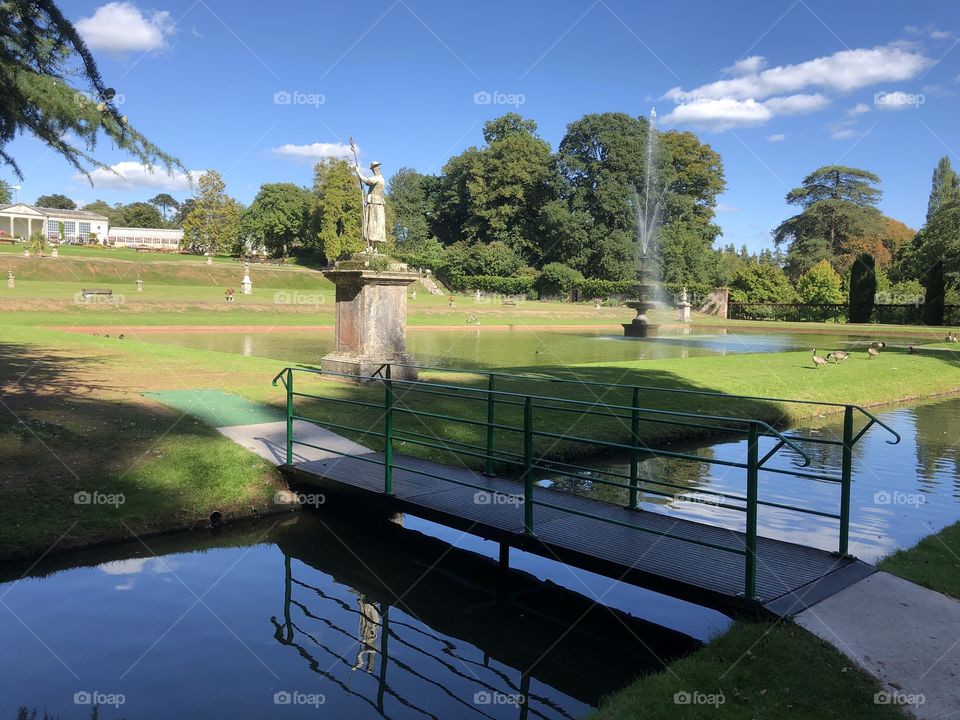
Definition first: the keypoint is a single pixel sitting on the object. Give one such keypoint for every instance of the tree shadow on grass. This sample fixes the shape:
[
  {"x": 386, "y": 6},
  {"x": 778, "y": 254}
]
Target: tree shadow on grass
[{"x": 84, "y": 463}]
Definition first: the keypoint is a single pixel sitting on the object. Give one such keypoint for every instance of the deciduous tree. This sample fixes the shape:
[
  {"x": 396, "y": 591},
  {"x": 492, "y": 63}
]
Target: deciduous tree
[
  {"x": 213, "y": 222},
  {"x": 336, "y": 209},
  {"x": 278, "y": 217},
  {"x": 57, "y": 201}
]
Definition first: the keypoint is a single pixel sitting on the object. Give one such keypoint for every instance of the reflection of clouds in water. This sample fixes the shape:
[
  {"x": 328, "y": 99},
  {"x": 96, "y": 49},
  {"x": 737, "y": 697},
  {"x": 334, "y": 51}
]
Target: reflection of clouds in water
[{"x": 135, "y": 566}]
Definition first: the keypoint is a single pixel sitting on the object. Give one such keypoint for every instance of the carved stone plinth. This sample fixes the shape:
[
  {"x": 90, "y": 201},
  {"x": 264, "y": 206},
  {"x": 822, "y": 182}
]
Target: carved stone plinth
[{"x": 371, "y": 322}]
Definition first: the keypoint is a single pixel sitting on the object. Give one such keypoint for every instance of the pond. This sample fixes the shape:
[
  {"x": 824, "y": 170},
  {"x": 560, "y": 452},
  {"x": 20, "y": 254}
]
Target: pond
[
  {"x": 312, "y": 614},
  {"x": 490, "y": 348},
  {"x": 900, "y": 493}
]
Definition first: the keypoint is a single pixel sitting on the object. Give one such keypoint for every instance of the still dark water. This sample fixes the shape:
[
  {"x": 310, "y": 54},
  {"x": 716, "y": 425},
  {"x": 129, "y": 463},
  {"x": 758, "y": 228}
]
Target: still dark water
[
  {"x": 900, "y": 493},
  {"x": 315, "y": 617}
]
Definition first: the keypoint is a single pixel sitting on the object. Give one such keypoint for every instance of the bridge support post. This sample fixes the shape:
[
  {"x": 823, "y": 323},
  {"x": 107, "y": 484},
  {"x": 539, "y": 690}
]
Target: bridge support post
[
  {"x": 491, "y": 413},
  {"x": 289, "y": 385},
  {"x": 846, "y": 479},
  {"x": 528, "y": 465},
  {"x": 634, "y": 454},
  {"x": 753, "y": 466}
]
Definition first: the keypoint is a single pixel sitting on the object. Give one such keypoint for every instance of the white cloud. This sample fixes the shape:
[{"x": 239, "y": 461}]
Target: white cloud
[
  {"x": 726, "y": 113},
  {"x": 756, "y": 93},
  {"x": 748, "y": 66},
  {"x": 122, "y": 27},
  {"x": 846, "y": 129},
  {"x": 842, "y": 72},
  {"x": 727, "y": 208},
  {"x": 858, "y": 109},
  {"x": 930, "y": 30},
  {"x": 775, "y": 138},
  {"x": 130, "y": 175},
  {"x": 314, "y": 151}
]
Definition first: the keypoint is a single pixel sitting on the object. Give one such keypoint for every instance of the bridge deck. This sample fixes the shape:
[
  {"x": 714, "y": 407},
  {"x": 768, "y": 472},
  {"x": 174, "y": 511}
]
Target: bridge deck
[{"x": 790, "y": 577}]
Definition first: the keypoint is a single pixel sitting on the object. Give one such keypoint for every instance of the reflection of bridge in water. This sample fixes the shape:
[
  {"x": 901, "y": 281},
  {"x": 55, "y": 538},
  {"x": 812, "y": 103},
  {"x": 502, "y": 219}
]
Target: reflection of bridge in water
[{"x": 439, "y": 628}]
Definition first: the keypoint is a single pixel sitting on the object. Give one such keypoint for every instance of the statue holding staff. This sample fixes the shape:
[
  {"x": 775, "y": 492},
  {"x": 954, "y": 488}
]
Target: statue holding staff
[{"x": 374, "y": 215}]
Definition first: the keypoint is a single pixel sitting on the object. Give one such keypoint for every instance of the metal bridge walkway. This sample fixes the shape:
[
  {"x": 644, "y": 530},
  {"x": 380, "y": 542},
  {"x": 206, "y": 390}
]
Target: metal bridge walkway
[{"x": 665, "y": 553}]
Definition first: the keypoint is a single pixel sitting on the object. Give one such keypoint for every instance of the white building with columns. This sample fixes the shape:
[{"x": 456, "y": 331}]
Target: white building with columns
[{"x": 20, "y": 221}]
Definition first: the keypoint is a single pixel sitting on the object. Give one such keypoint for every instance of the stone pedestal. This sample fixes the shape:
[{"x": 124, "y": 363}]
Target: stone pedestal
[
  {"x": 371, "y": 321},
  {"x": 54, "y": 252}
]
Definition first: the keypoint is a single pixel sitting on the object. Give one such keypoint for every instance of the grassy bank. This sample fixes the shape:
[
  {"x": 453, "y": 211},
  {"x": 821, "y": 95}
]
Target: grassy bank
[
  {"x": 933, "y": 563},
  {"x": 757, "y": 670}
]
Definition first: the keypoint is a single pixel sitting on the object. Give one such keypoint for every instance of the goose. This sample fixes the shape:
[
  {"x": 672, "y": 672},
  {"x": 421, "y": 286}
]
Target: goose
[
  {"x": 838, "y": 355},
  {"x": 817, "y": 360},
  {"x": 872, "y": 352},
  {"x": 912, "y": 350},
  {"x": 952, "y": 337},
  {"x": 120, "y": 336},
  {"x": 878, "y": 344}
]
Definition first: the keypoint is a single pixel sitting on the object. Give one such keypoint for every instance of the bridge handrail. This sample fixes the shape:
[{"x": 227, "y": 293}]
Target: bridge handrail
[
  {"x": 755, "y": 429},
  {"x": 652, "y": 388}
]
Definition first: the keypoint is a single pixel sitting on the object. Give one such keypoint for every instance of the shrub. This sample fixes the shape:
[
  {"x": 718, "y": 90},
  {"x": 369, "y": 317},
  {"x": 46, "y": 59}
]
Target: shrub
[
  {"x": 557, "y": 280},
  {"x": 820, "y": 285},
  {"x": 761, "y": 283},
  {"x": 590, "y": 288}
]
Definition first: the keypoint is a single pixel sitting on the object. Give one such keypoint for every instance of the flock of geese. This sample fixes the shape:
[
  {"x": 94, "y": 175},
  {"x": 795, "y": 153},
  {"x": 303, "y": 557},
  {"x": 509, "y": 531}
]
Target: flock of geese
[
  {"x": 838, "y": 356},
  {"x": 873, "y": 350}
]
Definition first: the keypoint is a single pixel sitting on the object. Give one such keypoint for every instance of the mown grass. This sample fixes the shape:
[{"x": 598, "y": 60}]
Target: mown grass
[
  {"x": 762, "y": 671},
  {"x": 933, "y": 563}
]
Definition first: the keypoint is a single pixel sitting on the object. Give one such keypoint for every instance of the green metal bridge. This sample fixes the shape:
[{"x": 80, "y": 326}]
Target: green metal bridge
[{"x": 489, "y": 436}]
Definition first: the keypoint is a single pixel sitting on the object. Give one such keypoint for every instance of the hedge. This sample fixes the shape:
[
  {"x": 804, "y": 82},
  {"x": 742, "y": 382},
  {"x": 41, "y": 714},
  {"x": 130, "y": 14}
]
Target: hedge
[{"x": 502, "y": 285}]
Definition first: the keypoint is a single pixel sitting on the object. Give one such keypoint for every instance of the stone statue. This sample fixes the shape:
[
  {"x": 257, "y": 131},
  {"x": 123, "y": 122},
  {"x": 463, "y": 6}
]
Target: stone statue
[{"x": 374, "y": 217}]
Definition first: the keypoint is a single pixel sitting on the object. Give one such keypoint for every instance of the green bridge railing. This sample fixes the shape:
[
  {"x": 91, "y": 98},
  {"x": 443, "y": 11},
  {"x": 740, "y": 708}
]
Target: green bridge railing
[{"x": 394, "y": 403}]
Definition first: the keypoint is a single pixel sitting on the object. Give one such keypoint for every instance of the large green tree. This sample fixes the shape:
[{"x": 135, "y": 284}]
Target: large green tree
[
  {"x": 939, "y": 242},
  {"x": 411, "y": 195},
  {"x": 139, "y": 215},
  {"x": 495, "y": 193},
  {"x": 945, "y": 187},
  {"x": 336, "y": 209},
  {"x": 57, "y": 201},
  {"x": 41, "y": 58},
  {"x": 278, "y": 217},
  {"x": 102, "y": 207},
  {"x": 213, "y": 222},
  {"x": 838, "y": 221},
  {"x": 165, "y": 203},
  {"x": 5, "y": 192}
]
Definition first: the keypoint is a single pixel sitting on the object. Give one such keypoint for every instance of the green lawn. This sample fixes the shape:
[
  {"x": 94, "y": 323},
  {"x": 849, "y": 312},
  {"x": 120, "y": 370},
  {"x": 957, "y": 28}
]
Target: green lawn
[
  {"x": 89, "y": 252},
  {"x": 933, "y": 563},
  {"x": 757, "y": 670}
]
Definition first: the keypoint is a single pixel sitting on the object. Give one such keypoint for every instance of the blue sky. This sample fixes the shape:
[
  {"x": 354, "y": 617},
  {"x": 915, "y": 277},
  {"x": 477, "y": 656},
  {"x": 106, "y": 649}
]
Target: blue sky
[{"x": 777, "y": 88}]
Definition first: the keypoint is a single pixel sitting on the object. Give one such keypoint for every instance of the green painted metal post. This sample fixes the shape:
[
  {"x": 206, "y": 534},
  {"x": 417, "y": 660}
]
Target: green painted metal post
[
  {"x": 289, "y": 384},
  {"x": 528, "y": 465},
  {"x": 388, "y": 434},
  {"x": 491, "y": 411},
  {"x": 846, "y": 480},
  {"x": 753, "y": 464},
  {"x": 634, "y": 442}
]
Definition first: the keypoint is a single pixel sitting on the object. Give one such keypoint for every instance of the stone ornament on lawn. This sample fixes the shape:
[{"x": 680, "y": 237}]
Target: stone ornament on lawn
[
  {"x": 10, "y": 281},
  {"x": 228, "y": 293},
  {"x": 246, "y": 284}
]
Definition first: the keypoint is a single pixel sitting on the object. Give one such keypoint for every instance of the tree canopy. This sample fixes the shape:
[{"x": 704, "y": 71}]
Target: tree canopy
[
  {"x": 945, "y": 187},
  {"x": 212, "y": 224},
  {"x": 40, "y": 52},
  {"x": 277, "y": 218},
  {"x": 336, "y": 209},
  {"x": 56, "y": 201}
]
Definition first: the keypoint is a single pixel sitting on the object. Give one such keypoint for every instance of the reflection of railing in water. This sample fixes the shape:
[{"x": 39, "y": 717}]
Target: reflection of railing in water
[{"x": 374, "y": 625}]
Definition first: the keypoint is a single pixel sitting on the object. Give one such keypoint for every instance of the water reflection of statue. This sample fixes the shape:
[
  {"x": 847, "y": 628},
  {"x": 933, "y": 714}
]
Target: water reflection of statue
[
  {"x": 368, "y": 632},
  {"x": 374, "y": 216}
]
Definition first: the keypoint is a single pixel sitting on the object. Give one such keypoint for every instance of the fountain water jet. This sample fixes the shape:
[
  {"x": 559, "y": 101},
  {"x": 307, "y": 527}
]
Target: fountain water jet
[{"x": 647, "y": 222}]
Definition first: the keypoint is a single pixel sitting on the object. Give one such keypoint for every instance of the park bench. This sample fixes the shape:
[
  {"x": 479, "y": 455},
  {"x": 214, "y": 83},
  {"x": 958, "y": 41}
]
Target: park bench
[
  {"x": 144, "y": 248},
  {"x": 87, "y": 292},
  {"x": 508, "y": 301},
  {"x": 8, "y": 240}
]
